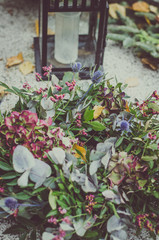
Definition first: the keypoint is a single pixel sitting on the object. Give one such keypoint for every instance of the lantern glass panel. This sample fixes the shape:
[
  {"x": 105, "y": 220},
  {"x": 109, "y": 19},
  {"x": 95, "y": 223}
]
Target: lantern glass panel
[{"x": 86, "y": 40}]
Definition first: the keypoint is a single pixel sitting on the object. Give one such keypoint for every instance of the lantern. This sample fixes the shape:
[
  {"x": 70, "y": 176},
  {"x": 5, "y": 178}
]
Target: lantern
[{"x": 78, "y": 33}]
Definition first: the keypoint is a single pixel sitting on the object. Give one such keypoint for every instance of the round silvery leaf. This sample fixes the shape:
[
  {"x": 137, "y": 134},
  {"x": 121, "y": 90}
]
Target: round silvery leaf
[
  {"x": 115, "y": 224},
  {"x": 47, "y": 236},
  {"x": 50, "y": 113},
  {"x": 57, "y": 155},
  {"x": 54, "y": 80},
  {"x": 39, "y": 172},
  {"x": 119, "y": 235},
  {"x": 66, "y": 227},
  {"x": 47, "y": 104},
  {"x": 23, "y": 159},
  {"x": 94, "y": 167},
  {"x": 89, "y": 187},
  {"x": 23, "y": 180},
  {"x": 79, "y": 227},
  {"x": 67, "y": 96}
]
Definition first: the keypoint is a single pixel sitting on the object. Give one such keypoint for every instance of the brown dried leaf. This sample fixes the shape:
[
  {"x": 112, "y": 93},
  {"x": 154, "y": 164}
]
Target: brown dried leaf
[
  {"x": 141, "y": 7},
  {"x": 149, "y": 62},
  {"x": 132, "y": 82},
  {"x": 113, "y": 7},
  {"x": 97, "y": 111},
  {"x": 2, "y": 92},
  {"x": 14, "y": 60},
  {"x": 26, "y": 67},
  {"x": 37, "y": 27},
  {"x": 49, "y": 31}
]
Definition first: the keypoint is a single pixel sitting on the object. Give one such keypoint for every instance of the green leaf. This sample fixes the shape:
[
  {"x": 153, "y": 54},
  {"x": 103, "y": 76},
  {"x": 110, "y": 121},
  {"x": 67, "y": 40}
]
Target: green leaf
[
  {"x": 51, "y": 213},
  {"x": 154, "y": 106},
  {"x": 91, "y": 234},
  {"x": 103, "y": 211},
  {"x": 122, "y": 28},
  {"x": 128, "y": 42},
  {"x": 155, "y": 194},
  {"x": 52, "y": 200},
  {"x": 38, "y": 190},
  {"x": 116, "y": 37},
  {"x": 5, "y": 166},
  {"x": 49, "y": 92},
  {"x": 97, "y": 126},
  {"x": 88, "y": 115},
  {"x": 146, "y": 47},
  {"x": 148, "y": 158},
  {"x": 22, "y": 196},
  {"x": 12, "y": 183},
  {"x": 129, "y": 147},
  {"x": 62, "y": 204},
  {"x": 9, "y": 175},
  {"x": 119, "y": 142},
  {"x": 112, "y": 207},
  {"x": 153, "y": 146}
]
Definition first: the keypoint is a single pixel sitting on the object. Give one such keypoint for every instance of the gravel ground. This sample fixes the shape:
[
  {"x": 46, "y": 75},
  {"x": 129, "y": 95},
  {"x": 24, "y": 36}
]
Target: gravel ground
[{"x": 17, "y": 29}]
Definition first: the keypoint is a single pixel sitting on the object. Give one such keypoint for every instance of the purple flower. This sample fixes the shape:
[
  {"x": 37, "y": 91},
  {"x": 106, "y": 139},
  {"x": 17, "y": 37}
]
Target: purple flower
[
  {"x": 11, "y": 203},
  {"x": 124, "y": 125},
  {"x": 97, "y": 76},
  {"x": 76, "y": 67}
]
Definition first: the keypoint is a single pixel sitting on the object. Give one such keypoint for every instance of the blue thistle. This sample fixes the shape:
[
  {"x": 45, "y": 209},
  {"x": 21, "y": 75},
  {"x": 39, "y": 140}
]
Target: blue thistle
[
  {"x": 97, "y": 76},
  {"x": 124, "y": 125},
  {"x": 76, "y": 67},
  {"x": 11, "y": 203}
]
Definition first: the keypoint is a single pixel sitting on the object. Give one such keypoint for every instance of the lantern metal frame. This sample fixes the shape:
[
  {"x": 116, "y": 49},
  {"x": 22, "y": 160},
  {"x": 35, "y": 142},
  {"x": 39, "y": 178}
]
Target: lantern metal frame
[{"x": 95, "y": 7}]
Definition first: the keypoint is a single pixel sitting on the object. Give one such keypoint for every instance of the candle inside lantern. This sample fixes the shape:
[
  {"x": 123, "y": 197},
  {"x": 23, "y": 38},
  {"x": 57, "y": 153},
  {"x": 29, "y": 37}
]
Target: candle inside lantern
[{"x": 66, "y": 36}]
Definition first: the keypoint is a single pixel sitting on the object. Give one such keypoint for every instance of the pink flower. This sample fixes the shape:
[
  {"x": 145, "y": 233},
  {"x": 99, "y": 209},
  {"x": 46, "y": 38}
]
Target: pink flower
[
  {"x": 47, "y": 68},
  {"x": 58, "y": 88},
  {"x": 59, "y": 97},
  {"x": 1, "y": 189},
  {"x": 62, "y": 211},
  {"x": 151, "y": 137},
  {"x": 38, "y": 77},
  {"x": 62, "y": 233},
  {"x": 26, "y": 85},
  {"x": 52, "y": 220},
  {"x": 71, "y": 85},
  {"x": 83, "y": 132},
  {"x": 53, "y": 99},
  {"x": 66, "y": 220}
]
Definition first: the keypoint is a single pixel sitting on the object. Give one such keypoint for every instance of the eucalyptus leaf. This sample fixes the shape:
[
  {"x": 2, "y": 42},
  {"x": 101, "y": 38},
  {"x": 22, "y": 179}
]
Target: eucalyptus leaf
[
  {"x": 66, "y": 227},
  {"x": 22, "y": 159},
  {"x": 52, "y": 200},
  {"x": 88, "y": 186},
  {"x": 23, "y": 180},
  {"x": 115, "y": 224},
  {"x": 47, "y": 104},
  {"x": 39, "y": 172},
  {"x": 57, "y": 155},
  {"x": 119, "y": 235},
  {"x": 79, "y": 227},
  {"x": 94, "y": 167},
  {"x": 47, "y": 236},
  {"x": 105, "y": 159}
]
